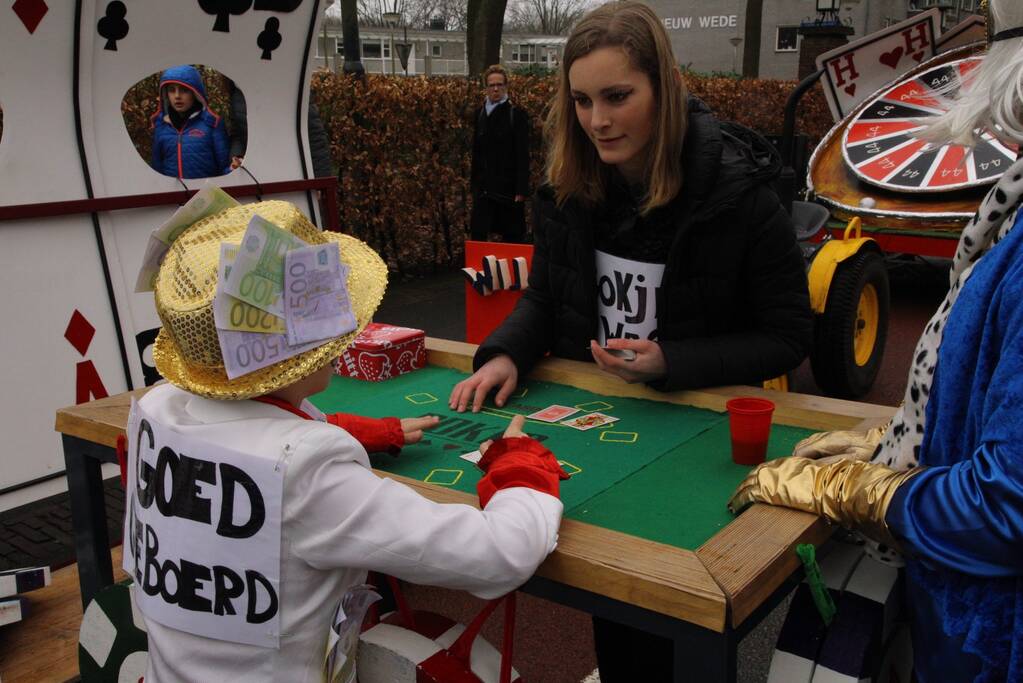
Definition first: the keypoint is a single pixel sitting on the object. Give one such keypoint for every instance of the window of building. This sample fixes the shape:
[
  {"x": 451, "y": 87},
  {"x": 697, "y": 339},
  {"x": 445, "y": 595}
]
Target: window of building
[
  {"x": 371, "y": 49},
  {"x": 786, "y": 39},
  {"x": 387, "y": 48},
  {"x": 435, "y": 50},
  {"x": 340, "y": 48},
  {"x": 524, "y": 53}
]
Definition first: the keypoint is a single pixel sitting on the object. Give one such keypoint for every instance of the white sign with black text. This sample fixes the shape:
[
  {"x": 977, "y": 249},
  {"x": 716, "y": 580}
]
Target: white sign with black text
[
  {"x": 202, "y": 534},
  {"x": 626, "y": 298}
]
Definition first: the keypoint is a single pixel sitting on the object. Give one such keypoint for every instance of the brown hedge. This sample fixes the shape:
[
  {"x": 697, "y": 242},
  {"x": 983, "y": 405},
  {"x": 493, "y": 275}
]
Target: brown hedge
[{"x": 402, "y": 148}]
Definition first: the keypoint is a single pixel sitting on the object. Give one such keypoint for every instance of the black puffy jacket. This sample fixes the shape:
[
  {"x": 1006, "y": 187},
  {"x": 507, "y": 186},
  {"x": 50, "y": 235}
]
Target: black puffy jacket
[{"x": 733, "y": 306}]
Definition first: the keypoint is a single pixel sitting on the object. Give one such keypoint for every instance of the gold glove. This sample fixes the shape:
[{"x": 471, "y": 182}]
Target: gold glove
[
  {"x": 848, "y": 445},
  {"x": 848, "y": 492}
]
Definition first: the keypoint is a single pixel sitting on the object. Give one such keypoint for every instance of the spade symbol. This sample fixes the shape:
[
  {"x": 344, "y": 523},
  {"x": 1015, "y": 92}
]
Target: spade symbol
[
  {"x": 224, "y": 9},
  {"x": 269, "y": 40},
  {"x": 113, "y": 27}
]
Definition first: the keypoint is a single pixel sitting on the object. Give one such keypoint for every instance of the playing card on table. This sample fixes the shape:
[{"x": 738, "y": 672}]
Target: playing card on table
[
  {"x": 553, "y": 413},
  {"x": 589, "y": 421}
]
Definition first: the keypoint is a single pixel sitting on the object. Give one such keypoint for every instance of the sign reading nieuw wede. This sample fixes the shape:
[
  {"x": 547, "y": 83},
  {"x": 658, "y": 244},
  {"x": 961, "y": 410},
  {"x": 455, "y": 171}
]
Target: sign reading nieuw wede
[{"x": 705, "y": 22}]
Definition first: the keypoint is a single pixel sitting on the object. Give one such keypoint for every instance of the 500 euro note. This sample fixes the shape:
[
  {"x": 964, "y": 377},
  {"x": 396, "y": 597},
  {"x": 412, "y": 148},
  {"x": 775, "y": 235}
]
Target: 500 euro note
[{"x": 316, "y": 303}]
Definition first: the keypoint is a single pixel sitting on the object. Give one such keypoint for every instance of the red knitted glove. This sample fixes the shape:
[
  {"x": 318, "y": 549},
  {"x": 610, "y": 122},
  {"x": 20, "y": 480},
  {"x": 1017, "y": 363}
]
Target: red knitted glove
[
  {"x": 377, "y": 435},
  {"x": 519, "y": 461}
]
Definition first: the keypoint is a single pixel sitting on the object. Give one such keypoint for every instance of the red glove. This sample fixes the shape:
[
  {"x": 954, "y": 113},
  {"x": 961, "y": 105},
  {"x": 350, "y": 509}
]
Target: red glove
[
  {"x": 377, "y": 435},
  {"x": 519, "y": 461}
]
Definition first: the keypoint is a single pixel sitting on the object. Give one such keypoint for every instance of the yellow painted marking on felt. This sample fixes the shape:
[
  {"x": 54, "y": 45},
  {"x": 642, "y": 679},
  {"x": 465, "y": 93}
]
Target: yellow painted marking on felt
[
  {"x": 411, "y": 398},
  {"x": 634, "y": 436},
  {"x": 594, "y": 406},
  {"x": 570, "y": 468},
  {"x": 430, "y": 480}
]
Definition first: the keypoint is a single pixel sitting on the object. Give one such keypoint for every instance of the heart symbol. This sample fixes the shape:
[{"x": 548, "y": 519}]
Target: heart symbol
[
  {"x": 851, "y": 89},
  {"x": 374, "y": 366},
  {"x": 406, "y": 363},
  {"x": 891, "y": 59},
  {"x": 918, "y": 56}
]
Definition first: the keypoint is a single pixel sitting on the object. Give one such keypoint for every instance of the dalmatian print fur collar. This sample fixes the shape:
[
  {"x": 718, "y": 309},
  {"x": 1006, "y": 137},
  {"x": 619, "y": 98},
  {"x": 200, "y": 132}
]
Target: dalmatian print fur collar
[{"x": 900, "y": 446}]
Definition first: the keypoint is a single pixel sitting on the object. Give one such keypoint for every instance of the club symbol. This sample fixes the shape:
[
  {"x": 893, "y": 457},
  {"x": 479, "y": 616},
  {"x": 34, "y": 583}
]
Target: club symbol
[
  {"x": 113, "y": 27},
  {"x": 269, "y": 39},
  {"x": 224, "y": 9}
]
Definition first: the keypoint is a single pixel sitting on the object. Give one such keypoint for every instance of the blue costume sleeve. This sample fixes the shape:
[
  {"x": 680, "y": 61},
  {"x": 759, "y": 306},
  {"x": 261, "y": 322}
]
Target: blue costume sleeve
[{"x": 968, "y": 516}]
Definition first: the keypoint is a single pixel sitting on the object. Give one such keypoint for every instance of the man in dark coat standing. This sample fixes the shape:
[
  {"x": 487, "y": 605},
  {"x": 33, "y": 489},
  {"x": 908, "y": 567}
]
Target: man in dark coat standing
[{"x": 500, "y": 163}]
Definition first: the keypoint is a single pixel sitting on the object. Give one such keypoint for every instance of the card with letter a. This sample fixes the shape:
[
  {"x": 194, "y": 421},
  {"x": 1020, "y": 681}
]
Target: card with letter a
[
  {"x": 554, "y": 413},
  {"x": 589, "y": 421}
]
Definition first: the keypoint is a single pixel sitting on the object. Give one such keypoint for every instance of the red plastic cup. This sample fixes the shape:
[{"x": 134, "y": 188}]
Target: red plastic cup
[{"x": 749, "y": 420}]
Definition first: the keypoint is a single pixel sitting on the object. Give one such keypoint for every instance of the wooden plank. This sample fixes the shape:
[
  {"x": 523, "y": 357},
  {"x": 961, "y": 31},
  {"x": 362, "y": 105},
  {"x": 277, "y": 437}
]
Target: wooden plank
[
  {"x": 651, "y": 575},
  {"x": 754, "y": 554},
  {"x": 44, "y": 646},
  {"x": 99, "y": 421}
]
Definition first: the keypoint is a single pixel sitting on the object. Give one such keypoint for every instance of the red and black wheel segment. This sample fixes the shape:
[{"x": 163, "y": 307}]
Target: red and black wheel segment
[{"x": 880, "y": 148}]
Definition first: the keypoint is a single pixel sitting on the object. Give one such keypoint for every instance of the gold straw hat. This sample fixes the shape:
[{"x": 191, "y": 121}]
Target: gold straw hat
[{"x": 187, "y": 351}]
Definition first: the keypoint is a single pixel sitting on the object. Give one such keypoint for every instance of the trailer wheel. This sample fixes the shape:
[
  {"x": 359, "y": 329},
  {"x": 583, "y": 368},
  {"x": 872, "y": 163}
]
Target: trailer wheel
[{"x": 849, "y": 337}]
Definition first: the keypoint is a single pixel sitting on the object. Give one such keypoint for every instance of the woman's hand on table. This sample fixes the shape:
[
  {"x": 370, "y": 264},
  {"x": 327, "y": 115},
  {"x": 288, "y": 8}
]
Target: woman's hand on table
[
  {"x": 499, "y": 371},
  {"x": 413, "y": 427},
  {"x": 514, "y": 430},
  {"x": 648, "y": 365}
]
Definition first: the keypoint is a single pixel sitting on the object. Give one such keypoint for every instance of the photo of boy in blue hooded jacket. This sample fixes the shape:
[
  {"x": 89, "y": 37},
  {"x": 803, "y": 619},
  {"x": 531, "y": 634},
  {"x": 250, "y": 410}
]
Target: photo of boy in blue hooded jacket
[{"x": 189, "y": 139}]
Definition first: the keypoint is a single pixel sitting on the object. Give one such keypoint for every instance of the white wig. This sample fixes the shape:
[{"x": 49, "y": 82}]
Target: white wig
[{"x": 992, "y": 96}]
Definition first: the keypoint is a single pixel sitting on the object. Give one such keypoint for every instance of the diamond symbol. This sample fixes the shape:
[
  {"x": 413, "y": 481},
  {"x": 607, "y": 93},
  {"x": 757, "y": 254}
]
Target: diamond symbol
[
  {"x": 79, "y": 332},
  {"x": 31, "y": 12}
]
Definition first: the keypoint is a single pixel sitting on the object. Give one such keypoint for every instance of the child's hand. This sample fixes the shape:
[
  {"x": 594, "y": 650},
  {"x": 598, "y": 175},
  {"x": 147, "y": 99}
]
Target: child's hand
[
  {"x": 413, "y": 427},
  {"x": 236, "y": 162},
  {"x": 514, "y": 429}
]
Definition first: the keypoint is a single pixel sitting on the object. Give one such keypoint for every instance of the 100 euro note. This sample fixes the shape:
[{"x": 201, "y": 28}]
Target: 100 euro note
[
  {"x": 230, "y": 313},
  {"x": 316, "y": 302},
  {"x": 257, "y": 276},
  {"x": 206, "y": 202},
  {"x": 246, "y": 352}
]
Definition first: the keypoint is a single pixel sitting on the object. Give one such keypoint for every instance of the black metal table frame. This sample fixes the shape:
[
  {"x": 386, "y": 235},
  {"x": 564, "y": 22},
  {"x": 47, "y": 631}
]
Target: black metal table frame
[{"x": 700, "y": 654}]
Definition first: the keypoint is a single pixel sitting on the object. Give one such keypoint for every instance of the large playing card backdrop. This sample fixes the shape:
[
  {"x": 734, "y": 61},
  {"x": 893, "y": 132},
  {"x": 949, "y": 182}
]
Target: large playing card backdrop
[{"x": 75, "y": 328}]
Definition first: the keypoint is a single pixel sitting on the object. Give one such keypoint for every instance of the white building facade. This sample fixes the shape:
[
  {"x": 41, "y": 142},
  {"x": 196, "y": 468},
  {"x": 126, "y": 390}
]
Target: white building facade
[
  {"x": 434, "y": 52},
  {"x": 710, "y": 37}
]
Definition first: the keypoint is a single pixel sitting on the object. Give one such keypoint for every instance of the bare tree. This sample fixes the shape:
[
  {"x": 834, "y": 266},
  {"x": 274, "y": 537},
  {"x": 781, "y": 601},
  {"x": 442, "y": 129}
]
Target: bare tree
[
  {"x": 550, "y": 17},
  {"x": 415, "y": 13},
  {"x": 485, "y": 19}
]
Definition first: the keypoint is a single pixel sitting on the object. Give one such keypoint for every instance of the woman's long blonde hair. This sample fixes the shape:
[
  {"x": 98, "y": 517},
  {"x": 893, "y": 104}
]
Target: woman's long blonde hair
[
  {"x": 992, "y": 98},
  {"x": 574, "y": 168}
]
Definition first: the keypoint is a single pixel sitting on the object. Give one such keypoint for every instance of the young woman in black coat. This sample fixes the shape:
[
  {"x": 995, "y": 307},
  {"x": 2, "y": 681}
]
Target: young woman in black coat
[{"x": 657, "y": 232}]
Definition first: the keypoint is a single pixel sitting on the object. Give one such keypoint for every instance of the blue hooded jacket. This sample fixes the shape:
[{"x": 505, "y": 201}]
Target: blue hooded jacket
[{"x": 200, "y": 148}]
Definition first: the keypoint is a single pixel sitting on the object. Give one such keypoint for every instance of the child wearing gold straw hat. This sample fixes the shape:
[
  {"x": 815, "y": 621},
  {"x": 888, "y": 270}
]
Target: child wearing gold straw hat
[{"x": 250, "y": 516}]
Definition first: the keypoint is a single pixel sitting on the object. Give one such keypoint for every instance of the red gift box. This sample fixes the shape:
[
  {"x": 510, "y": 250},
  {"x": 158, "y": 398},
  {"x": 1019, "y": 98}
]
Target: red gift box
[{"x": 383, "y": 351}]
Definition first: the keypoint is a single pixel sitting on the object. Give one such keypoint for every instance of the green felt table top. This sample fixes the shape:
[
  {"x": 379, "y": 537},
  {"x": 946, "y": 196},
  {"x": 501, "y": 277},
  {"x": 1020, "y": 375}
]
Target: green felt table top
[{"x": 662, "y": 472}]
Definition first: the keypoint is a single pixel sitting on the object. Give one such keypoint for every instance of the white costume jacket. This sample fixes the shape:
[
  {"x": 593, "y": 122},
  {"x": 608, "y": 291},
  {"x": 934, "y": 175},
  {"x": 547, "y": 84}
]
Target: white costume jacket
[{"x": 340, "y": 520}]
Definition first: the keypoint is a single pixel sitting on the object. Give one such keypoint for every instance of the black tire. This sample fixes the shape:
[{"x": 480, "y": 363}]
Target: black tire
[{"x": 836, "y": 368}]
